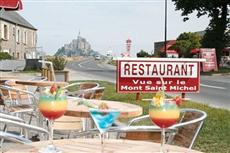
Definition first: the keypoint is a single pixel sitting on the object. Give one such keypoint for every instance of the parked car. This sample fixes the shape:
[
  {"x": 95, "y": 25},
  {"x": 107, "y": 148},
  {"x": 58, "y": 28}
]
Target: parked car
[{"x": 97, "y": 57}]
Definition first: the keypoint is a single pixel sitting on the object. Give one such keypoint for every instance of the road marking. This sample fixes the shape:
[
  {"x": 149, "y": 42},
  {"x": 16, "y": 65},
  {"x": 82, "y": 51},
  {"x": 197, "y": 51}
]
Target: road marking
[
  {"x": 80, "y": 64},
  {"x": 215, "y": 87},
  {"x": 100, "y": 66}
]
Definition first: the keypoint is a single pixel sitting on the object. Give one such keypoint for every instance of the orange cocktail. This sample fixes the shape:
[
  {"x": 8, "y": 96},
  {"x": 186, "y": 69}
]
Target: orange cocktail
[
  {"x": 164, "y": 116},
  {"x": 52, "y": 107},
  {"x": 164, "y": 113}
]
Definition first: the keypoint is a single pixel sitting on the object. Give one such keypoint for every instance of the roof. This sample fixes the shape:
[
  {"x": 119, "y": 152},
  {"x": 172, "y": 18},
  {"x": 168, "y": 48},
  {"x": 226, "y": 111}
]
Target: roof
[
  {"x": 200, "y": 33},
  {"x": 169, "y": 43},
  {"x": 15, "y": 18}
]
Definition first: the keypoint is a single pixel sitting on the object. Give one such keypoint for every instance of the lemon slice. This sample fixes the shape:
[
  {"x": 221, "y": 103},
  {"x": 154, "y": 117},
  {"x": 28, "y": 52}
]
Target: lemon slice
[
  {"x": 103, "y": 105},
  {"x": 158, "y": 99}
]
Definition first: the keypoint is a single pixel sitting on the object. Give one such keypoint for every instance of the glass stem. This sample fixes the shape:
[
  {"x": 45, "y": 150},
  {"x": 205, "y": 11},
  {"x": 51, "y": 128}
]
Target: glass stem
[
  {"x": 102, "y": 142},
  {"x": 51, "y": 122},
  {"x": 162, "y": 140}
]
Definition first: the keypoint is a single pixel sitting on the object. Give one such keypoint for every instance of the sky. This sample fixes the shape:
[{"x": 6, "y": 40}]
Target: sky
[{"x": 106, "y": 24}]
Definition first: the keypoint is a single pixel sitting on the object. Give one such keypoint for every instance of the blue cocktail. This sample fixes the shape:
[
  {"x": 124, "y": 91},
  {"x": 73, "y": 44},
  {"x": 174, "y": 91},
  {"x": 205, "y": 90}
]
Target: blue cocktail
[{"x": 103, "y": 119}]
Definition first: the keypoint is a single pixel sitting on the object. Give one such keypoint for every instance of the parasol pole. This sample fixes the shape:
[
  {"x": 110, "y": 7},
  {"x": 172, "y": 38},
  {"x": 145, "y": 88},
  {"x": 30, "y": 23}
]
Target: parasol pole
[{"x": 1, "y": 12}]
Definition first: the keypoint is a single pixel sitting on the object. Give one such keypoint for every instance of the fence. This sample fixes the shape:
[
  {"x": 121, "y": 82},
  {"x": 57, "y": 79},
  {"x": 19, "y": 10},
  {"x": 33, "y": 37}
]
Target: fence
[{"x": 60, "y": 75}]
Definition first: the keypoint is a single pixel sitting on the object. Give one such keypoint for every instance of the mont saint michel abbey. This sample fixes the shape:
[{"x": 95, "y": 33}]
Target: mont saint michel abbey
[
  {"x": 77, "y": 47},
  {"x": 78, "y": 44}
]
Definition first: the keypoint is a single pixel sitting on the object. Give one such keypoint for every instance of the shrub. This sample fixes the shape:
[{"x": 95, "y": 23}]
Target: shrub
[
  {"x": 4, "y": 55},
  {"x": 59, "y": 63},
  {"x": 143, "y": 53}
]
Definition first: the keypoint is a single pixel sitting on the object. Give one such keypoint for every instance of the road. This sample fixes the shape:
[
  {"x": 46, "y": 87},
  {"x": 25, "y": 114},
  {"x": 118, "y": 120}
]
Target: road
[
  {"x": 92, "y": 70},
  {"x": 214, "y": 91}
]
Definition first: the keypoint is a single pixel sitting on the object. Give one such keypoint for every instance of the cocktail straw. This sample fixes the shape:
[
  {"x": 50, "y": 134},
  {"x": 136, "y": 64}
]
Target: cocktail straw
[{"x": 162, "y": 84}]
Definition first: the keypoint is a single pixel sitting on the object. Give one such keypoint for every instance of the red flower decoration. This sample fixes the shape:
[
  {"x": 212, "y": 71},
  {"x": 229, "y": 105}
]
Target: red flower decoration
[{"x": 178, "y": 100}]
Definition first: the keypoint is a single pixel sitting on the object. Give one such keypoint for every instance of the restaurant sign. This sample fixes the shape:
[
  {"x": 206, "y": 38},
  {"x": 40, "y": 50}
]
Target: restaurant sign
[{"x": 144, "y": 75}]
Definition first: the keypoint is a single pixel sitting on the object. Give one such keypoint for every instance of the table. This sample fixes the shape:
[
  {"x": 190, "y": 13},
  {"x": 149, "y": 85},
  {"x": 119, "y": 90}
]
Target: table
[
  {"x": 36, "y": 83},
  {"x": 41, "y": 83},
  {"x": 126, "y": 110},
  {"x": 93, "y": 146},
  {"x": 8, "y": 77}
]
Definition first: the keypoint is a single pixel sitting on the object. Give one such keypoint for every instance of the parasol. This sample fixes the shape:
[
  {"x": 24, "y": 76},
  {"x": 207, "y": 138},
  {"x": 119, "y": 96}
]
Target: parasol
[{"x": 10, "y": 5}]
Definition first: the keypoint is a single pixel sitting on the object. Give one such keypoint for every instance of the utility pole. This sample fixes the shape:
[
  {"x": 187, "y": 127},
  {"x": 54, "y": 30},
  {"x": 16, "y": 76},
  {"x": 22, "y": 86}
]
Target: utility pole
[{"x": 165, "y": 43}]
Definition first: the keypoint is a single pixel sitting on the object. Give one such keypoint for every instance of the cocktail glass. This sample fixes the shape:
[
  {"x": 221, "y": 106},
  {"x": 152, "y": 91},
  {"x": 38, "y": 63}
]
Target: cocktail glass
[
  {"x": 164, "y": 115},
  {"x": 103, "y": 118},
  {"x": 52, "y": 107}
]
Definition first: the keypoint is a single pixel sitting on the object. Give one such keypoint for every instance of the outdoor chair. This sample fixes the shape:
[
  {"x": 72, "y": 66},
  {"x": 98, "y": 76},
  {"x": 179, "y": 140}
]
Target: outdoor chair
[
  {"x": 184, "y": 133},
  {"x": 81, "y": 89},
  {"x": 37, "y": 78},
  {"x": 17, "y": 125},
  {"x": 17, "y": 101},
  {"x": 98, "y": 93},
  {"x": 14, "y": 95}
]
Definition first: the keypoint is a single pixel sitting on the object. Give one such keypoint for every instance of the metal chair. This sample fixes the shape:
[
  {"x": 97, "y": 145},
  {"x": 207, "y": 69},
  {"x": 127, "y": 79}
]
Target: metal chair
[
  {"x": 179, "y": 134},
  {"x": 189, "y": 118},
  {"x": 37, "y": 78},
  {"x": 15, "y": 122},
  {"x": 18, "y": 102},
  {"x": 81, "y": 89},
  {"x": 10, "y": 117},
  {"x": 98, "y": 93}
]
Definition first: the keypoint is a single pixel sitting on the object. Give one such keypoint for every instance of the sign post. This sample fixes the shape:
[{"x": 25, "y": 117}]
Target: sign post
[{"x": 143, "y": 75}]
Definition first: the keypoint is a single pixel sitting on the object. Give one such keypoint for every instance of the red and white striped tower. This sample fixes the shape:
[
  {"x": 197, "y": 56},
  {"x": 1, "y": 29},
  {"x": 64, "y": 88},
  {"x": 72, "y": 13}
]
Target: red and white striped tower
[{"x": 128, "y": 48}]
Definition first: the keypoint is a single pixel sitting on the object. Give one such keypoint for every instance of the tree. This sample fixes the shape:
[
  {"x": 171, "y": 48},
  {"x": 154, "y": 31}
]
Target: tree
[
  {"x": 218, "y": 10},
  {"x": 185, "y": 43},
  {"x": 143, "y": 53},
  {"x": 59, "y": 62}
]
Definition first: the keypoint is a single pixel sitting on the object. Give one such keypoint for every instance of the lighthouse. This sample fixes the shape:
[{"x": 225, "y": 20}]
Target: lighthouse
[{"x": 128, "y": 48}]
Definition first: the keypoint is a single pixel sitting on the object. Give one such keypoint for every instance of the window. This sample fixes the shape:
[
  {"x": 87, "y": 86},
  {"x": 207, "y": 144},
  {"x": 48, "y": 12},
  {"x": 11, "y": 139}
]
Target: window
[
  {"x": 14, "y": 31},
  {"x": 24, "y": 37},
  {"x": 34, "y": 38},
  {"x": 18, "y": 55},
  {"x": 5, "y": 32},
  {"x": 18, "y": 36}
]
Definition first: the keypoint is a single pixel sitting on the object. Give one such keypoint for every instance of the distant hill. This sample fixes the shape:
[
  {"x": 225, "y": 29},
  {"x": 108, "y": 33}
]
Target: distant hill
[{"x": 77, "y": 47}]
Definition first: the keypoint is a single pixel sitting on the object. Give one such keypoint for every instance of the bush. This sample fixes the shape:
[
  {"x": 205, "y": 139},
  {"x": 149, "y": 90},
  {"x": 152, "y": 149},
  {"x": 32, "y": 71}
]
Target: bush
[
  {"x": 143, "y": 53},
  {"x": 4, "y": 55},
  {"x": 160, "y": 54},
  {"x": 59, "y": 63}
]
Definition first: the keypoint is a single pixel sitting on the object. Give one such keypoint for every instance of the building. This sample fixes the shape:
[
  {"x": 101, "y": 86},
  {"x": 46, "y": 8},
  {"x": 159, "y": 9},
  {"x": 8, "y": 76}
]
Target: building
[
  {"x": 17, "y": 36},
  {"x": 79, "y": 44},
  {"x": 160, "y": 46}
]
